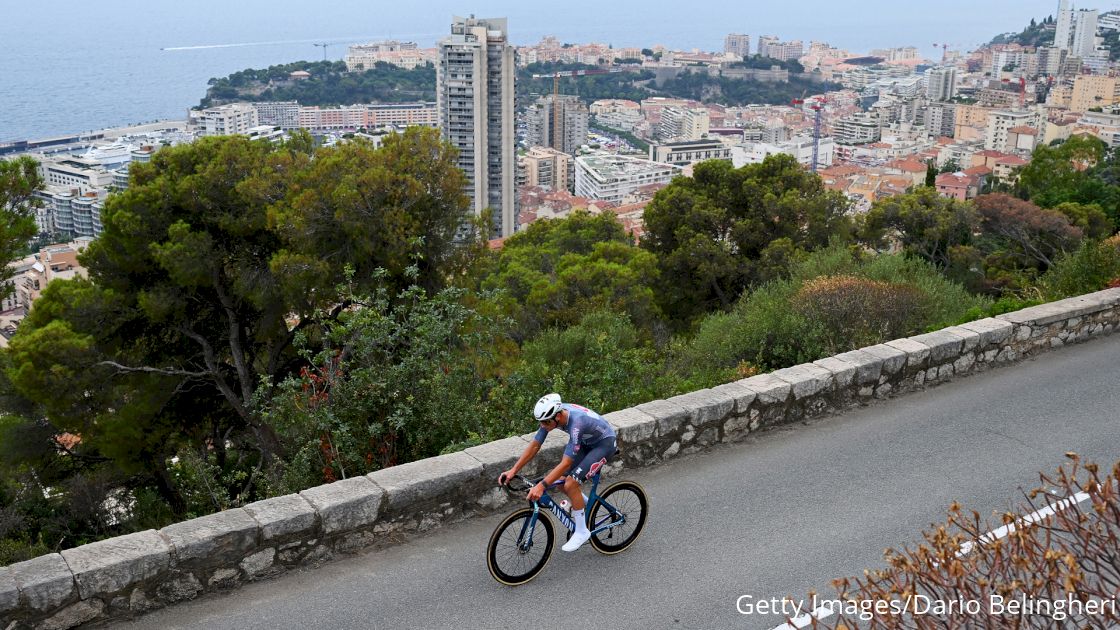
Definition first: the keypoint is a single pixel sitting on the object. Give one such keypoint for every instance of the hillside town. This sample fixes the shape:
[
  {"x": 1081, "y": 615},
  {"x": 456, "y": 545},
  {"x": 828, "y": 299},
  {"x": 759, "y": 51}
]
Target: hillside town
[{"x": 968, "y": 120}]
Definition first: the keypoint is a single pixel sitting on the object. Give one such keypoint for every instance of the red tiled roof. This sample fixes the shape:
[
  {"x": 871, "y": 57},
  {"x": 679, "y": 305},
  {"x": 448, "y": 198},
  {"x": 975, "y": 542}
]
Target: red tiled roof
[
  {"x": 1012, "y": 160},
  {"x": 978, "y": 170},
  {"x": 1023, "y": 129}
]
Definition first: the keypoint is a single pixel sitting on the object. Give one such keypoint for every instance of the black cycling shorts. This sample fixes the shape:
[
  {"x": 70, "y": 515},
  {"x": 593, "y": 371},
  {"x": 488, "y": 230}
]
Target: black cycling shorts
[{"x": 598, "y": 453}]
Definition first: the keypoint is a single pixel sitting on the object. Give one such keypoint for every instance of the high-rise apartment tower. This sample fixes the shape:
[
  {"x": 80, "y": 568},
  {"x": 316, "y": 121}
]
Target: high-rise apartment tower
[{"x": 475, "y": 98}]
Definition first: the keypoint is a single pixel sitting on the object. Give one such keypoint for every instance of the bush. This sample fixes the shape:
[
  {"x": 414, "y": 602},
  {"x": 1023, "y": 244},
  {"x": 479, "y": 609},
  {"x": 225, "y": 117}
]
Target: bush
[
  {"x": 834, "y": 300},
  {"x": 1070, "y": 554},
  {"x": 1087, "y": 269}
]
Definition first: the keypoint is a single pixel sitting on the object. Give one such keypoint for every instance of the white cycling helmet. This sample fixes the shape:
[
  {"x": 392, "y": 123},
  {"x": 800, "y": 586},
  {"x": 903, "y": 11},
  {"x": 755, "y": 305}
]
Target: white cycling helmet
[{"x": 547, "y": 407}]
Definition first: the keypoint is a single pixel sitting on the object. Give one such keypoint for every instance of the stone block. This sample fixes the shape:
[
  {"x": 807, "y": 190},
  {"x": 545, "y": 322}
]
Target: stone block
[
  {"x": 991, "y": 330},
  {"x": 670, "y": 416},
  {"x": 9, "y": 592},
  {"x": 107, "y": 566},
  {"x": 771, "y": 390},
  {"x": 632, "y": 426},
  {"x": 868, "y": 366},
  {"x": 1046, "y": 314},
  {"x": 705, "y": 406},
  {"x": 917, "y": 354},
  {"x": 345, "y": 505},
  {"x": 498, "y": 456},
  {"x": 894, "y": 359},
  {"x": 214, "y": 536},
  {"x": 943, "y": 346},
  {"x": 44, "y": 582},
  {"x": 289, "y": 516},
  {"x": 806, "y": 380},
  {"x": 742, "y": 396},
  {"x": 843, "y": 373},
  {"x": 258, "y": 563},
  {"x": 435, "y": 479},
  {"x": 73, "y": 615},
  {"x": 971, "y": 339}
]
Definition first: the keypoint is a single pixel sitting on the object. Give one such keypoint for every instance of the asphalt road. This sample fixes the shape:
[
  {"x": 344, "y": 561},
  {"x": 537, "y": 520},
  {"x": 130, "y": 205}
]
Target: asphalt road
[{"x": 781, "y": 514}]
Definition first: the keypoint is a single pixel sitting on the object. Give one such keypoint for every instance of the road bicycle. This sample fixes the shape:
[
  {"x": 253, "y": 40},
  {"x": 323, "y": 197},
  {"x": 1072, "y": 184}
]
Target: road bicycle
[{"x": 522, "y": 543}]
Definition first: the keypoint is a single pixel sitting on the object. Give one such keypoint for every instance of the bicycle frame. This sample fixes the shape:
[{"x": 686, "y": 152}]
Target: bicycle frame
[{"x": 565, "y": 517}]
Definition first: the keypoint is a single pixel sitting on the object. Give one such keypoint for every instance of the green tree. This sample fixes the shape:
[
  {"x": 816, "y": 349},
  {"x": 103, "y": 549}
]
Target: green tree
[
  {"x": 19, "y": 180},
  {"x": 218, "y": 256},
  {"x": 1061, "y": 173},
  {"x": 1032, "y": 237},
  {"x": 709, "y": 232},
  {"x": 922, "y": 222},
  {"x": 556, "y": 271}
]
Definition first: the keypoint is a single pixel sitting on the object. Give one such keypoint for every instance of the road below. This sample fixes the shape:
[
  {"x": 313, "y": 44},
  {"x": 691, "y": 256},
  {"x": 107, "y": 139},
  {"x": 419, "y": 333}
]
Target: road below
[{"x": 780, "y": 514}]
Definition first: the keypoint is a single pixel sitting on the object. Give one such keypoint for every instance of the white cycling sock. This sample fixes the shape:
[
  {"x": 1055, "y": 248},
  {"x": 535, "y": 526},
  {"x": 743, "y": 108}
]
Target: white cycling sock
[{"x": 577, "y": 516}]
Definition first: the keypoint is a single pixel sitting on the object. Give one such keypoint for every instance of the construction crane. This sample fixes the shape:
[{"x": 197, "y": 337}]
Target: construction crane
[
  {"x": 556, "y": 76},
  {"x": 944, "y": 51},
  {"x": 817, "y": 105},
  {"x": 324, "y": 47}
]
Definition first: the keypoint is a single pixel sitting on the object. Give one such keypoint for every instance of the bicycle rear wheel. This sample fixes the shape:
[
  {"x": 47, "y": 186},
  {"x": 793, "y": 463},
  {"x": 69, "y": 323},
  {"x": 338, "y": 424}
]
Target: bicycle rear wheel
[
  {"x": 511, "y": 557},
  {"x": 630, "y": 505}
]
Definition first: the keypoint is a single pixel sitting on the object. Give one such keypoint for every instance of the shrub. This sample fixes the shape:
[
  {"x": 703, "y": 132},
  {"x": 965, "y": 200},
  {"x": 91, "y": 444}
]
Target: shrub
[
  {"x": 1070, "y": 554},
  {"x": 858, "y": 312},
  {"x": 1087, "y": 269}
]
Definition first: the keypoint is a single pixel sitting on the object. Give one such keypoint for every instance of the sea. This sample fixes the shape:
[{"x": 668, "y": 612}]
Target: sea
[{"x": 70, "y": 66}]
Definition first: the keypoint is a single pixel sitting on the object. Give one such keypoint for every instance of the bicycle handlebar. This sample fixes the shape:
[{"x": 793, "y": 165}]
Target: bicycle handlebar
[{"x": 527, "y": 483}]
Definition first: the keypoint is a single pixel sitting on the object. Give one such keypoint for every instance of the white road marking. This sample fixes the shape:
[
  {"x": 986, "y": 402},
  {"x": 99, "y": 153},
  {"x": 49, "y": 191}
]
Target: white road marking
[{"x": 822, "y": 612}]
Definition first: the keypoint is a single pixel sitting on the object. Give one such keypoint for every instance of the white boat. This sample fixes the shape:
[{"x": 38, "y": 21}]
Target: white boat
[{"x": 109, "y": 155}]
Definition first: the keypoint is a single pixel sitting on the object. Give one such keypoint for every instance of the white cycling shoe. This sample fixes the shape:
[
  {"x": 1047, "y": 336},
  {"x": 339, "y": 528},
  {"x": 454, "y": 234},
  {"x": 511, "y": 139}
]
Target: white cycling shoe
[{"x": 576, "y": 541}]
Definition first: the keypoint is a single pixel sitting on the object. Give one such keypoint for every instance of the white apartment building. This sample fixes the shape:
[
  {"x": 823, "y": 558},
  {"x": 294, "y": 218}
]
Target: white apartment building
[
  {"x": 800, "y": 147},
  {"x": 1063, "y": 31},
  {"x": 71, "y": 212},
  {"x": 770, "y": 46},
  {"x": 557, "y": 121},
  {"x": 737, "y": 44},
  {"x": 609, "y": 177},
  {"x": 402, "y": 115},
  {"x": 683, "y": 124},
  {"x": 283, "y": 114},
  {"x": 939, "y": 119},
  {"x": 67, "y": 171},
  {"x": 1000, "y": 122},
  {"x": 617, "y": 114},
  {"x": 858, "y": 128},
  {"x": 1084, "y": 33},
  {"x": 689, "y": 152},
  {"x": 223, "y": 120},
  {"x": 941, "y": 84},
  {"x": 475, "y": 96},
  {"x": 402, "y": 54}
]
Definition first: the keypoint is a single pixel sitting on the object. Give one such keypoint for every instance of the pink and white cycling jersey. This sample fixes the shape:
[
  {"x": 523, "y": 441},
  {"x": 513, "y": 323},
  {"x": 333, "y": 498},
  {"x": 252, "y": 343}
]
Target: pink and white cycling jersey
[{"x": 585, "y": 428}]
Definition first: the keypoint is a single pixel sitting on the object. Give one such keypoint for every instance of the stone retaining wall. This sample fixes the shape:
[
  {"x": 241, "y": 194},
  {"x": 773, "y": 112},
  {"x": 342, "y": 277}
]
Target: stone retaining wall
[{"x": 125, "y": 576}]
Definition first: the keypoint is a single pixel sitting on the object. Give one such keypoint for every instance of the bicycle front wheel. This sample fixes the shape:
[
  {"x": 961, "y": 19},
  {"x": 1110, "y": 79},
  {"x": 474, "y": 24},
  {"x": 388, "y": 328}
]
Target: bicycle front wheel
[
  {"x": 630, "y": 507},
  {"x": 517, "y": 553}
]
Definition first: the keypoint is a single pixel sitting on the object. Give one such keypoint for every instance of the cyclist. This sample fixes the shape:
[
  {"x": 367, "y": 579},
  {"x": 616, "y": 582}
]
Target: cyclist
[{"x": 591, "y": 443}]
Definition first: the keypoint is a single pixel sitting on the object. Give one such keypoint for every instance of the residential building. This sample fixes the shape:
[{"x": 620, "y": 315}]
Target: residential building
[
  {"x": 332, "y": 118},
  {"x": 402, "y": 54},
  {"x": 1063, "y": 32},
  {"x": 401, "y": 115},
  {"x": 939, "y": 119},
  {"x": 609, "y": 177},
  {"x": 1090, "y": 92},
  {"x": 1084, "y": 33},
  {"x": 1000, "y": 123},
  {"x": 557, "y": 121},
  {"x": 800, "y": 147},
  {"x": 475, "y": 96},
  {"x": 941, "y": 84},
  {"x": 71, "y": 212},
  {"x": 683, "y": 124},
  {"x": 617, "y": 114},
  {"x": 546, "y": 167},
  {"x": 960, "y": 186},
  {"x": 858, "y": 128},
  {"x": 770, "y": 46},
  {"x": 69, "y": 171},
  {"x": 737, "y": 44},
  {"x": 283, "y": 114},
  {"x": 689, "y": 152},
  {"x": 224, "y": 120}
]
